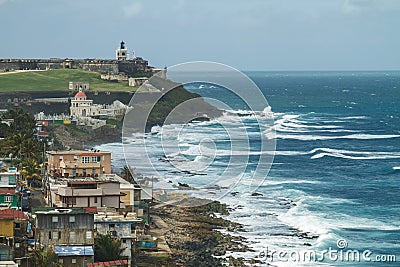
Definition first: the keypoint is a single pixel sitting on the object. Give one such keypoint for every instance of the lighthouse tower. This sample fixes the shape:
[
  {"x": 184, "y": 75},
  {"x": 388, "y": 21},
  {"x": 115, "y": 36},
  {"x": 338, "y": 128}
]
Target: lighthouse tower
[{"x": 122, "y": 52}]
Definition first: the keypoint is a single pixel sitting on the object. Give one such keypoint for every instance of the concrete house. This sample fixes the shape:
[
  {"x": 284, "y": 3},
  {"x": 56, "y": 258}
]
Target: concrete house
[
  {"x": 89, "y": 193},
  {"x": 13, "y": 232},
  {"x": 119, "y": 226},
  {"x": 78, "y": 163}
]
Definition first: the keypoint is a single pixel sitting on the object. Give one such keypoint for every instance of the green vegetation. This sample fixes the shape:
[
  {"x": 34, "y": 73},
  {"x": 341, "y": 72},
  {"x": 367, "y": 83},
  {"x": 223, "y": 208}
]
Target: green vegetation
[
  {"x": 57, "y": 80},
  {"x": 18, "y": 142},
  {"x": 106, "y": 248},
  {"x": 172, "y": 99},
  {"x": 45, "y": 257}
]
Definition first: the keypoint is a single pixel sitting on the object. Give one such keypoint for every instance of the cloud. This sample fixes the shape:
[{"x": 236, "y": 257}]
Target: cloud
[
  {"x": 5, "y": 1},
  {"x": 357, "y": 6},
  {"x": 132, "y": 9}
]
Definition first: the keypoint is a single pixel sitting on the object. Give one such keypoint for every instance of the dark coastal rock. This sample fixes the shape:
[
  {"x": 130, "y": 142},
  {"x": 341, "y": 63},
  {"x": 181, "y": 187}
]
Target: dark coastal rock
[
  {"x": 255, "y": 194},
  {"x": 193, "y": 236},
  {"x": 183, "y": 185}
]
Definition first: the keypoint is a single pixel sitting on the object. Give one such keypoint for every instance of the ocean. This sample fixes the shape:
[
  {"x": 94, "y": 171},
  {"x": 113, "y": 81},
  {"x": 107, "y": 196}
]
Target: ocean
[{"x": 335, "y": 178}]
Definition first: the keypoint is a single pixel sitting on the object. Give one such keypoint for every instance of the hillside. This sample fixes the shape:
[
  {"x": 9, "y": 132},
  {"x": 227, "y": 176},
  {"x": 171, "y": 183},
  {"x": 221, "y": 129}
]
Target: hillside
[{"x": 56, "y": 80}]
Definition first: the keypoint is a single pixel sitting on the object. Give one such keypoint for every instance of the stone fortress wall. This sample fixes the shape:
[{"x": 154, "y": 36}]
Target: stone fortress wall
[{"x": 132, "y": 67}]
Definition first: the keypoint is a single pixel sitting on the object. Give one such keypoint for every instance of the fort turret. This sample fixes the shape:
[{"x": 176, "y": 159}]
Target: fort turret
[{"x": 122, "y": 52}]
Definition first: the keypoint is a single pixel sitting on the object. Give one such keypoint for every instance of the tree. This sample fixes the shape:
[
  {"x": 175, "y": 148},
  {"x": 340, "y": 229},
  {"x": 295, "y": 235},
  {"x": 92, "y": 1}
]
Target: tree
[
  {"x": 45, "y": 257},
  {"x": 127, "y": 174},
  {"x": 107, "y": 248},
  {"x": 31, "y": 170}
]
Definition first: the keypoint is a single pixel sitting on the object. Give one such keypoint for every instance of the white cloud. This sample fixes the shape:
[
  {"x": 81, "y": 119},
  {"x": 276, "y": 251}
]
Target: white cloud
[
  {"x": 357, "y": 6},
  {"x": 5, "y": 1},
  {"x": 132, "y": 9}
]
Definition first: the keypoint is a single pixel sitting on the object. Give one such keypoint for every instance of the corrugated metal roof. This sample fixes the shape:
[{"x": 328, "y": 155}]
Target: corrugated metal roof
[
  {"x": 11, "y": 214},
  {"x": 63, "y": 251},
  {"x": 109, "y": 263}
]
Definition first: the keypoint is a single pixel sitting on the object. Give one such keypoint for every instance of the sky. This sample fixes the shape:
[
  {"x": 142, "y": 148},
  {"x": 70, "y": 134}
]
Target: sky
[{"x": 269, "y": 35}]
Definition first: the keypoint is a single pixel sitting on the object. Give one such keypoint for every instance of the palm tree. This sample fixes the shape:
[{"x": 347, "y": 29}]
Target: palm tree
[
  {"x": 107, "y": 248},
  {"x": 45, "y": 257},
  {"x": 127, "y": 174},
  {"x": 32, "y": 170}
]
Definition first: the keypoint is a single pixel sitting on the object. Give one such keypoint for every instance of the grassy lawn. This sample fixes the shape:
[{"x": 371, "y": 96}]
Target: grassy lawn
[{"x": 57, "y": 80}]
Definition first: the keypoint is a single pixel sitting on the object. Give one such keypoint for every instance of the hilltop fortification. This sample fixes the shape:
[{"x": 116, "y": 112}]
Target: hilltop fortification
[{"x": 132, "y": 67}]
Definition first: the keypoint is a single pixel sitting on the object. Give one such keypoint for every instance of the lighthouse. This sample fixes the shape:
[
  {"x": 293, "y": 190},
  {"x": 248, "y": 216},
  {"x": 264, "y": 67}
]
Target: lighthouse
[{"x": 122, "y": 52}]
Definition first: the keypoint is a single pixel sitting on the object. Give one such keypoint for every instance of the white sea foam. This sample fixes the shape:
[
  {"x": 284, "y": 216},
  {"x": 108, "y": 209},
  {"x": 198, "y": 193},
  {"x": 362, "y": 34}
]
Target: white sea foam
[{"x": 324, "y": 137}]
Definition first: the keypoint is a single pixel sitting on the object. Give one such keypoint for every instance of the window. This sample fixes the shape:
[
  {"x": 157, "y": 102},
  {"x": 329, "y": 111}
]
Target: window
[
  {"x": 73, "y": 260},
  {"x": 54, "y": 219},
  {"x": 71, "y": 219},
  {"x": 59, "y": 235},
  {"x": 124, "y": 241},
  {"x": 88, "y": 234},
  {"x": 95, "y": 199},
  {"x": 72, "y": 235},
  {"x": 8, "y": 198},
  {"x": 94, "y": 159},
  {"x": 55, "y": 235},
  {"x": 49, "y": 235},
  {"x": 93, "y": 171},
  {"x": 85, "y": 159},
  {"x": 17, "y": 225}
]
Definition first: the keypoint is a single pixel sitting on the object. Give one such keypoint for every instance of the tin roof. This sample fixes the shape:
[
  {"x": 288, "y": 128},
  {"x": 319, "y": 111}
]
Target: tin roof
[
  {"x": 109, "y": 263},
  {"x": 12, "y": 214},
  {"x": 63, "y": 251}
]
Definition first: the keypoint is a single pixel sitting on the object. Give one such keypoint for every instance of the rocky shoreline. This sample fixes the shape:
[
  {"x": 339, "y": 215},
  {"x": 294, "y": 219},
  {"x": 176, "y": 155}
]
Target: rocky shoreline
[{"x": 194, "y": 238}]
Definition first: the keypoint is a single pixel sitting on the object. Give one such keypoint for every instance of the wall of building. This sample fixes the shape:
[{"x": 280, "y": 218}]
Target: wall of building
[
  {"x": 66, "y": 236},
  {"x": 7, "y": 227},
  {"x": 13, "y": 204},
  {"x": 79, "y": 261}
]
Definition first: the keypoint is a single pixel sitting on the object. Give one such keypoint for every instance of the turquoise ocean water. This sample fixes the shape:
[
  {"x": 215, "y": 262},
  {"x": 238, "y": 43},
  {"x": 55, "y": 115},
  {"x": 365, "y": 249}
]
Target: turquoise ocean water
[{"x": 336, "y": 171}]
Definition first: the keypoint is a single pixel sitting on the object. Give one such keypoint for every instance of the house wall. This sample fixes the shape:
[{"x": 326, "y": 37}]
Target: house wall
[
  {"x": 7, "y": 179},
  {"x": 68, "y": 159},
  {"x": 13, "y": 203},
  {"x": 80, "y": 261},
  {"x": 67, "y": 236},
  {"x": 59, "y": 233},
  {"x": 7, "y": 227}
]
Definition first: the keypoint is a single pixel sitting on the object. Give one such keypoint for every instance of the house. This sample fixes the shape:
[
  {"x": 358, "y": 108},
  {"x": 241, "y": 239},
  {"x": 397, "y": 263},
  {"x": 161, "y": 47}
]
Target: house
[
  {"x": 8, "y": 179},
  {"x": 69, "y": 231},
  {"x": 130, "y": 193},
  {"x": 88, "y": 193},
  {"x": 9, "y": 199},
  {"x": 78, "y": 86},
  {"x": 13, "y": 230},
  {"x": 78, "y": 163},
  {"x": 123, "y": 226},
  {"x": 74, "y": 255}
]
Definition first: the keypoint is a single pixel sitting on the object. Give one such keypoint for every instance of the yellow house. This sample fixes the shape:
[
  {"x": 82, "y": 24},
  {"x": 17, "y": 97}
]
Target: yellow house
[{"x": 7, "y": 227}]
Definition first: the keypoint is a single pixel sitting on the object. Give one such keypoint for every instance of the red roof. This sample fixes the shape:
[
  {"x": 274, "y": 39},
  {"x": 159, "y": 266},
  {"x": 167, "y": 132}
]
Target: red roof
[
  {"x": 42, "y": 133},
  {"x": 80, "y": 94},
  {"x": 91, "y": 210},
  {"x": 7, "y": 191},
  {"x": 12, "y": 214},
  {"x": 109, "y": 263}
]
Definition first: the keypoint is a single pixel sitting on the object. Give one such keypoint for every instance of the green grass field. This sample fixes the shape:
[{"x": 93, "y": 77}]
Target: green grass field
[{"x": 57, "y": 80}]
